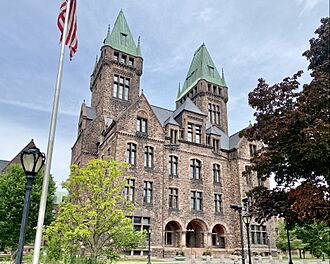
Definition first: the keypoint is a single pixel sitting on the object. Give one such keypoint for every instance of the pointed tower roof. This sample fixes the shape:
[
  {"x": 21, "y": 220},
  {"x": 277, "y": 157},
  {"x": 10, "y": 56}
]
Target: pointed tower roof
[
  {"x": 121, "y": 37},
  {"x": 201, "y": 67}
]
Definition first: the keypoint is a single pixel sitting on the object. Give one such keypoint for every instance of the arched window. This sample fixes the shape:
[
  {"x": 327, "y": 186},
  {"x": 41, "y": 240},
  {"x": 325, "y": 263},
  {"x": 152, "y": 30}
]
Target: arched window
[
  {"x": 216, "y": 174},
  {"x": 173, "y": 166}
]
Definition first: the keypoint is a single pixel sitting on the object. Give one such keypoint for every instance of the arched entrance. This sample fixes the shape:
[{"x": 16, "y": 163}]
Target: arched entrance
[
  {"x": 218, "y": 236},
  {"x": 196, "y": 232},
  {"x": 172, "y": 234}
]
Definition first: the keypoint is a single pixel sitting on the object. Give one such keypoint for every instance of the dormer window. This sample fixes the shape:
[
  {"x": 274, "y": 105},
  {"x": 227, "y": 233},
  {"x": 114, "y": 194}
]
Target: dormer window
[
  {"x": 194, "y": 133},
  {"x": 123, "y": 39},
  {"x": 211, "y": 71},
  {"x": 173, "y": 136}
]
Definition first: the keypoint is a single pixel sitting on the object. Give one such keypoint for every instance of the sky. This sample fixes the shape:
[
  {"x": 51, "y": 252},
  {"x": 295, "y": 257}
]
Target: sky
[{"x": 248, "y": 39}]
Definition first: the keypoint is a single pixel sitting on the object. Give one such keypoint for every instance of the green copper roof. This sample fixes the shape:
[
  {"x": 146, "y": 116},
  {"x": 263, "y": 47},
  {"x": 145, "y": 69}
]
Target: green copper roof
[
  {"x": 121, "y": 37},
  {"x": 201, "y": 67}
]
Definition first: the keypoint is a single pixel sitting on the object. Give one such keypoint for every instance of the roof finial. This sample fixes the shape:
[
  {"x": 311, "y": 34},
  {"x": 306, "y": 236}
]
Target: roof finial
[
  {"x": 223, "y": 77},
  {"x": 107, "y": 38},
  {"x": 138, "y": 48},
  {"x": 179, "y": 90}
]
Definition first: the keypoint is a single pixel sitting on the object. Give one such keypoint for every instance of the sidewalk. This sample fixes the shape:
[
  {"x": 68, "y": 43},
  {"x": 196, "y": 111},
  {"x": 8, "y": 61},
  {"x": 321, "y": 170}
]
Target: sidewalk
[{"x": 226, "y": 261}]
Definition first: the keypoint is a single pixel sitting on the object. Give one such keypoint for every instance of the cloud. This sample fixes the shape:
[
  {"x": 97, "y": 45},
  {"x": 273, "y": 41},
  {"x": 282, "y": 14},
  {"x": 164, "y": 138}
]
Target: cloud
[
  {"x": 35, "y": 107},
  {"x": 307, "y": 5}
]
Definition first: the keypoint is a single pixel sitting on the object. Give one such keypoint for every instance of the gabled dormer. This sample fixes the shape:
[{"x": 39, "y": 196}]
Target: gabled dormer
[
  {"x": 206, "y": 88},
  {"x": 115, "y": 81}
]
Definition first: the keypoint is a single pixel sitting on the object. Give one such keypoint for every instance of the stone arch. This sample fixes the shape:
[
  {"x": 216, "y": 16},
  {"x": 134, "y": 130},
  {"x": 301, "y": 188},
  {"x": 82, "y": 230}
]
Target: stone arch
[
  {"x": 173, "y": 232},
  {"x": 218, "y": 236},
  {"x": 196, "y": 234}
]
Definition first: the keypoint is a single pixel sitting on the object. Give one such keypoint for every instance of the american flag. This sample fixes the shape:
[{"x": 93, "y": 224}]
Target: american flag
[{"x": 71, "y": 36}]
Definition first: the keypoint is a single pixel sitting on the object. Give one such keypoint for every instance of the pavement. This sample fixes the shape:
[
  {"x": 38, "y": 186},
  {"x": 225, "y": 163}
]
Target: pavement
[{"x": 225, "y": 261}]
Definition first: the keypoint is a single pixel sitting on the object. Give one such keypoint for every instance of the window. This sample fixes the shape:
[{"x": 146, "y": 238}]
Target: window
[
  {"x": 131, "y": 153},
  {"x": 123, "y": 39},
  {"x": 216, "y": 173},
  {"x": 190, "y": 132},
  {"x": 173, "y": 136},
  {"x": 258, "y": 234},
  {"x": 211, "y": 71},
  {"x": 127, "y": 84},
  {"x": 173, "y": 198},
  {"x": 260, "y": 182},
  {"x": 194, "y": 133},
  {"x": 217, "y": 203},
  {"x": 173, "y": 166},
  {"x": 129, "y": 190},
  {"x": 215, "y": 145},
  {"x": 147, "y": 192},
  {"x": 141, "y": 125},
  {"x": 141, "y": 223},
  {"x": 116, "y": 56},
  {"x": 121, "y": 87},
  {"x": 195, "y": 169},
  {"x": 148, "y": 157},
  {"x": 214, "y": 113},
  {"x": 253, "y": 150},
  {"x": 248, "y": 175},
  {"x": 130, "y": 62},
  {"x": 198, "y": 134},
  {"x": 123, "y": 59},
  {"x": 196, "y": 200}
]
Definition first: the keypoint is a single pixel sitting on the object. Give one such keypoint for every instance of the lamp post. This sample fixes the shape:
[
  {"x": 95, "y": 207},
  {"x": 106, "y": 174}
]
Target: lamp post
[
  {"x": 247, "y": 220},
  {"x": 190, "y": 231},
  {"x": 238, "y": 208},
  {"x": 149, "y": 244},
  {"x": 32, "y": 160},
  {"x": 289, "y": 245}
]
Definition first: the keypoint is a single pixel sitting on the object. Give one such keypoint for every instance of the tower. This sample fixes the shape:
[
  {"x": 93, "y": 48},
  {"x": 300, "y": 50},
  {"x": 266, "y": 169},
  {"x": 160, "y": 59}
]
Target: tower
[
  {"x": 115, "y": 85},
  {"x": 115, "y": 81},
  {"x": 206, "y": 88}
]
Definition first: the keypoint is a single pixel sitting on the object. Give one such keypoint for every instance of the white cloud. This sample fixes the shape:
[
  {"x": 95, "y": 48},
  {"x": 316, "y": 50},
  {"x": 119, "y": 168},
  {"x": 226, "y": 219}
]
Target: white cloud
[{"x": 307, "y": 5}]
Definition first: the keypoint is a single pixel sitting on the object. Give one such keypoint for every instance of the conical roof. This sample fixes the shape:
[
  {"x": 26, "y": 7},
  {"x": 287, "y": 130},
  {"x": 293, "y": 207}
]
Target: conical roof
[
  {"x": 121, "y": 37},
  {"x": 201, "y": 67}
]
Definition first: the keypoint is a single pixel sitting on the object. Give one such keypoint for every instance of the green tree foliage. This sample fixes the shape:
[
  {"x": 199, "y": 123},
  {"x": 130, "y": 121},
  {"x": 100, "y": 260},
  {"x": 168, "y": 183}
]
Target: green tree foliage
[
  {"x": 12, "y": 193},
  {"x": 282, "y": 239},
  {"x": 294, "y": 125},
  {"x": 93, "y": 217},
  {"x": 314, "y": 237}
]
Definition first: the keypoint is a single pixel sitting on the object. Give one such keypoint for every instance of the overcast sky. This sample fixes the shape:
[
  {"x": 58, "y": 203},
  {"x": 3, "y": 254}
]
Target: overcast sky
[{"x": 249, "y": 39}]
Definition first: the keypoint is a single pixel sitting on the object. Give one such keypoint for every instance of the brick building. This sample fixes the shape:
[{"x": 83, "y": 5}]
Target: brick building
[{"x": 185, "y": 168}]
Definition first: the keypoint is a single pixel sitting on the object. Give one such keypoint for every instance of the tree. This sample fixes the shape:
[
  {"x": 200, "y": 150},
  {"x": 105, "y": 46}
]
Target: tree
[
  {"x": 282, "y": 240},
  {"x": 316, "y": 236},
  {"x": 94, "y": 215},
  {"x": 12, "y": 193},
  {"x": 294, "y": 125}
]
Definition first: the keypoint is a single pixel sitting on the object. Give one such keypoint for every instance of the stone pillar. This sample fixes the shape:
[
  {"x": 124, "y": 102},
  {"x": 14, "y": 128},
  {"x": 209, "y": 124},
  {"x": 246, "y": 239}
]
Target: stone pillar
[{"x": 183, "y": 239}]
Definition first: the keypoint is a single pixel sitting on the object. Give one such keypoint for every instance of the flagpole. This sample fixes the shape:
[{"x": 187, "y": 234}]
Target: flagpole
[{"x": 50, "y": 147}]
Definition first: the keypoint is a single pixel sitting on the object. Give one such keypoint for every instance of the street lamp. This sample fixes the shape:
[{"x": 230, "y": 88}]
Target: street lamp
[
  {"x": 289, "y": 245},
  {"x": 238, "y": 208},
  {"x": 247, "y": 220},
  {"x": 149, "y": 243},
  {"x": 190, "y": 231},
  {"x": 32, "y": 160}
]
